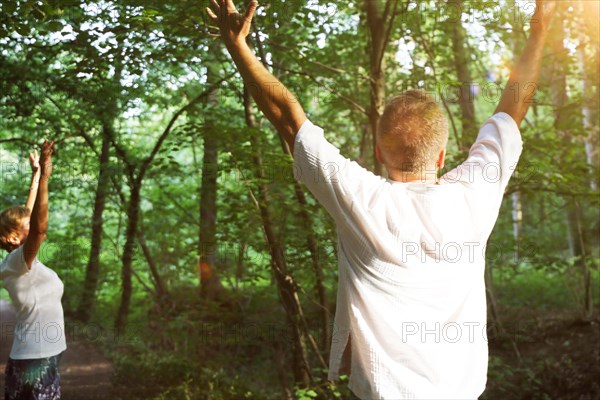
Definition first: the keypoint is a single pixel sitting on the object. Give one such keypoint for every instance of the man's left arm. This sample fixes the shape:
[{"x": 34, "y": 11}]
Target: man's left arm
[
  {"x": 516, "y": 98},
  {"x": 334, "y": 180},
  {"x": 278, "y": 104}
]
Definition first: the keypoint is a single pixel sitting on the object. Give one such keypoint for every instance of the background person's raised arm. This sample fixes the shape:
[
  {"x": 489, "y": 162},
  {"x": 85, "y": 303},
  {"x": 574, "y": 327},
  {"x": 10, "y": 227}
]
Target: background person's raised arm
[
  {"x": 39, "y": 215},
  {"x": 521, "y": 87},
  {"x": 278, "y": 104},
  {"x": 34, "y": 162}
]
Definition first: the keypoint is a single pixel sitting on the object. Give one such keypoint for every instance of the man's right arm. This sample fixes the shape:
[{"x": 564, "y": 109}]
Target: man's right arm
[
  {"x": 278, "y": 104},
  {"x": 521, "y": 87}
]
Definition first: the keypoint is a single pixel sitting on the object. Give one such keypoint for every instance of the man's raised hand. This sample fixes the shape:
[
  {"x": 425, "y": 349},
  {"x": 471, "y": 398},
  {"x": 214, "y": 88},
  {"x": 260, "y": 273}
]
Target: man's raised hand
[
  {"x": 544, "y": 11},
  {"x": 46, "y": 158},
  {"x": 275, "y": 101},
  {"x": 234, "y": 27},
  {"x": 525, "y": 74}
]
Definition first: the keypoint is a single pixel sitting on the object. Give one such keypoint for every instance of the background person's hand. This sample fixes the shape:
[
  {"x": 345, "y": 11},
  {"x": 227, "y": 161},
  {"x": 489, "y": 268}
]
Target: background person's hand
[
  {"x": 234, "y": 27},
  {"x": 46, "y": 158},
  {"x": 34, "y": 161}
]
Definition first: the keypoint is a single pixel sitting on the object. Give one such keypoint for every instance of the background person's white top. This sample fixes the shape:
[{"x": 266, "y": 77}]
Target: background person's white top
[
  {"x": 411, "y": 291},
  {"x": 36, "y": 296}
]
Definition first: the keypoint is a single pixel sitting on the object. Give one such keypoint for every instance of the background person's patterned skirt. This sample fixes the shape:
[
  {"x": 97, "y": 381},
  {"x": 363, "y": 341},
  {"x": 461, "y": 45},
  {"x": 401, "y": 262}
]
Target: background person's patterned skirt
[{"x": 37, "y": 379}]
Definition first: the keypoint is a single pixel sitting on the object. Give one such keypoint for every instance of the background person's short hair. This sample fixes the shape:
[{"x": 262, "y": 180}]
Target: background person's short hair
[{"x": 10, "y": 222}]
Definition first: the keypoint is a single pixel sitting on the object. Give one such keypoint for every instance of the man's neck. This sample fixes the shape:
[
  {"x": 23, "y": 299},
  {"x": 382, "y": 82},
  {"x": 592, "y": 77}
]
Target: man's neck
[{"x": 428, "y": 176}]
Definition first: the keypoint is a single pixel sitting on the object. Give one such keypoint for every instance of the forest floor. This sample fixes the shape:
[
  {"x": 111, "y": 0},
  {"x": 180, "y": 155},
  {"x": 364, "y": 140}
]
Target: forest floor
[
  {"x": 539, "y": 355},
  {"x": 85, "y": 372},
  {"x": 554, "y": 356}
]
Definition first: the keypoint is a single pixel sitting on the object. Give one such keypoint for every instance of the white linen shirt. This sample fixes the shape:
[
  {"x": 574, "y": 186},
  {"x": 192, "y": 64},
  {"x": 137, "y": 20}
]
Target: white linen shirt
[
  {"x": 411, "y": 290},
  {"x": 36, "y": 294}
]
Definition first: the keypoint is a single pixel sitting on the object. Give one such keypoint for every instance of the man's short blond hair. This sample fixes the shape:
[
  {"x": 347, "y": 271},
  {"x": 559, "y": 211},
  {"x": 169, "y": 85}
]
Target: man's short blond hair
[
  {"x": 10, "y": 223},
  {"x": 412, "y": 131}
]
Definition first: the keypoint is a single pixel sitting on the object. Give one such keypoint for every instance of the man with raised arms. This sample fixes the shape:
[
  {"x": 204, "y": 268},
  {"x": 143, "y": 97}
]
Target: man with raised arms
[{"x": 411, "y": 307}]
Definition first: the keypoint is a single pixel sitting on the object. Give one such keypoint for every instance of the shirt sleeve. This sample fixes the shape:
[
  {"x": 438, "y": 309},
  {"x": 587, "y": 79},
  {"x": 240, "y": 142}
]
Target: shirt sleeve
[
  {"x": 493, "y": 157},
  {"x": 14, "y": 264},
  {"x": 337, "y": 182},
  {"x": 491, "y": 162}
]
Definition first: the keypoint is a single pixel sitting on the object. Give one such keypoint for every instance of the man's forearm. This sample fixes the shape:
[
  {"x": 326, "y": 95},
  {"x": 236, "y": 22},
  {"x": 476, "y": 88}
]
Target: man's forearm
[
  {"x": 278, "y": 104},
  {"x": 522, "y": 84}
]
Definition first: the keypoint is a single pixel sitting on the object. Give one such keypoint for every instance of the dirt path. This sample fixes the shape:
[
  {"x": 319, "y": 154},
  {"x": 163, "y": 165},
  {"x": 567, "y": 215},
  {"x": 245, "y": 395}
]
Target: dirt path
[{"x": 85, "y": 373}]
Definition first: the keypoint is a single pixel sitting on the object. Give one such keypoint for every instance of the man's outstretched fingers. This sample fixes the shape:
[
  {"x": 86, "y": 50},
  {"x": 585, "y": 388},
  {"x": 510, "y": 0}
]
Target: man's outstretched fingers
[
  {"x": 230, "y": 6},
  {"x": 211, "y": 14},
  {"x": 250, "y": 10},
  {"x": 214, "y": 11}
]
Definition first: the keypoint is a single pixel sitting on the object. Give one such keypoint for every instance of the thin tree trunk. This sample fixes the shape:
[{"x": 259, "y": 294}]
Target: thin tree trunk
[
  {"x": 313, "y": 248},
  {"x": 592, "y": 142},
  {"x": 517, "y": 220},
  {"x": 133, "y": 212},
  {"x": 92, "y": 272},
  {"x": 207, "y": 247},
  {"x": 590, "y": 69},
  {"x": 311, "y": 242},
  {"x": 159, "y": 285},
  {"x": 280, "y": 361},
  {"x": 573, "y": 210},
  {"x": 517, "y": 209},
  {"x": 285, "y": 282},
  {"x": 590, "y": 124},
  {"x": 461, "y": 65},
  {"x": 379, "y": 25}
]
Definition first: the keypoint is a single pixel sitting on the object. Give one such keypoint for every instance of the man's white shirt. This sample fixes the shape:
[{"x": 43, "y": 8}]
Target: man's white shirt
[{"x": 411, "y": 291}]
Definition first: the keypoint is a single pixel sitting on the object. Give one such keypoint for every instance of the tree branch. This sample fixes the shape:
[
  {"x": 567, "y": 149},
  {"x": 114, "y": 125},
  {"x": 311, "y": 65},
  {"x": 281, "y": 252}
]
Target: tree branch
[
  {"x": 19, "y": 140},
  {"x": 146, "y": 163}
]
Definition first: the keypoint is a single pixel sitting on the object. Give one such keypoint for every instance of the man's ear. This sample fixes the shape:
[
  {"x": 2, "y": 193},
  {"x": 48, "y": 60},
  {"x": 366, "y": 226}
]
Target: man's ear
[
  {"x": 441, "y": 159},
  {"x": 378, "y": 153},
  {"x": 13, "y": 239}
]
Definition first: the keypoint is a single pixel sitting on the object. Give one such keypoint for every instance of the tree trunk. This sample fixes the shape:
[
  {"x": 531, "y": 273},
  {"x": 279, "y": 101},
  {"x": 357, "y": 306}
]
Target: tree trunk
[
  {"x": 517, "y": 209},
  {"x": 379, "y": 24},
  {"x": 517, "y": 219},
  {"x": 562, "y": 122},
  {"x": 285, "y": 283},
  {"x": 313, "y": 248},
  {"x": 311, "y": 240},
  {"x": 133, "y": 212},
  {"x": 159, "y": 285},
  {"x": 590, "y": 123},
  {"x": 461, "y": 65},
  {"x": 210, "y": 284},
  {"x": 590, "y": 68},
  {"x": 92, "y": 272}
]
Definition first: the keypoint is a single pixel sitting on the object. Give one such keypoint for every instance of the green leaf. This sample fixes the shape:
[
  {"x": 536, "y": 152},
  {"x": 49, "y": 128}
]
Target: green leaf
[
  {"x": 23, "y": 29},
  {"x": 55, "y": 26},
  {"x": 9, "y": 7}
]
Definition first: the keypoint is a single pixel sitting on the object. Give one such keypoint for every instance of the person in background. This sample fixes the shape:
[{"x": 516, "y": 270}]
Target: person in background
[{"x": 36, "y": 292}]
